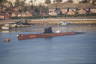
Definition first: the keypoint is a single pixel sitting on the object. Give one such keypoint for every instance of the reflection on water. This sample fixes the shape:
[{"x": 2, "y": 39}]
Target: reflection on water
[
  {"x": 76, "y": 28},
  {"x": 67, "y": 28},
  {"x": 76, "y": 49}
]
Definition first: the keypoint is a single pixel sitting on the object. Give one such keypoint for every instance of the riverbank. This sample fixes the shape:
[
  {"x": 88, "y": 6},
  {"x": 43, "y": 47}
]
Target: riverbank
[{"x": 52, "y": 21}]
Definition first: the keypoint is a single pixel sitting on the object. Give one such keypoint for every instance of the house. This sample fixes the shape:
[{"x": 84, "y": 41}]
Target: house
[
  {"x": 52, "y": 12},
  {"x": 17, "y": 13},
  {"x": 82, "y": 11},
  {"x": 64, "y": 8},
  {"x": 1, "y": 16},
  {"x": 4, "y": 15},
  {"x": 61, "y": 8},
  {"x": 93, "y": 10},
  {"x": 71, "y": 12}
]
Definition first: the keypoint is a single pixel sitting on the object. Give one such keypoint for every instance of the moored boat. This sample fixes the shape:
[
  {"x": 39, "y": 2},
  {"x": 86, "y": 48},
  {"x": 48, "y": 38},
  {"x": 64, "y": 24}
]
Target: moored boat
[
  {"x": 62, "y": 23},
  {"x": 5, "y": 27},
  {"x": 43, "y": 35}
]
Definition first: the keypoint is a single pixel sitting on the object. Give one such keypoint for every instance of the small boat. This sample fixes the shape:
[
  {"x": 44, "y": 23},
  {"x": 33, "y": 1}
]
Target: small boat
[
  {"x": 5, "y": 27},
  {"x": 43, "y": 35},
  {"x": 63, "y": 23},
  {"x": 19, "y": 24}
]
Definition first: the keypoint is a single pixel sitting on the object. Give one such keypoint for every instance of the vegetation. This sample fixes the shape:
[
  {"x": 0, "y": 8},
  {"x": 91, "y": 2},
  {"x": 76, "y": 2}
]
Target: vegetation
[
  {"x": 20, "y": 7},
  {"x": 58, "y": 0},
  {"x": 47, "y": 1},
  {"x": 58, "y": 16},
  {"x": 2, "y": 1},
  {"x": 7, "y": 7}
]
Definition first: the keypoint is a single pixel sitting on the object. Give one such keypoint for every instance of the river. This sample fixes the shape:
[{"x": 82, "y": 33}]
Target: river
[{"x": 74, "y": 49}]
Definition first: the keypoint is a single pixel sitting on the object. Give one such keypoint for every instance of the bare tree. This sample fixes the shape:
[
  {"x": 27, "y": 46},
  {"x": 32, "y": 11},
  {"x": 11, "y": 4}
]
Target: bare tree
[
  {"x": 58, "y": 1},
  {"x": 1, "y": 1},
  {"x": 47, "y": 1}
]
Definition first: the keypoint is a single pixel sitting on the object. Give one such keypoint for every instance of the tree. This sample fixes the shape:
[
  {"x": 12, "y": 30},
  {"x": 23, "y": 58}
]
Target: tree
[
  {"x": 47, "y": 1},
  {"x": 93, "y": 2},
  {"x": 84, "y": 1},
  {"x": 19, "y": 3},
  {"x": 70, "y": 1},
  {"x": 20, "y": 7},
  {"x": 31, "y": 1},
  {"x": 58, "y": 1},
  {"x": 1, "y": 1},
  {"x": 2, "y": 4}
]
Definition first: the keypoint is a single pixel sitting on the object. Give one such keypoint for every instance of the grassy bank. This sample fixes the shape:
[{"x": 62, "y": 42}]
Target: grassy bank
[{"x": 58, "y": 16}]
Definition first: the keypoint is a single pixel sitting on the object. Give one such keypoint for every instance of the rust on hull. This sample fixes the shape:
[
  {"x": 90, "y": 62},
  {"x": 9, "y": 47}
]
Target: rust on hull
[{"x": 44, "y": 35}]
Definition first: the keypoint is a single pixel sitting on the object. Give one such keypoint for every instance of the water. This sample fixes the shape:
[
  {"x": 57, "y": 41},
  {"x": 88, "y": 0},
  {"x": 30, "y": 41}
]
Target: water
[{"x": 76, "y": 49}]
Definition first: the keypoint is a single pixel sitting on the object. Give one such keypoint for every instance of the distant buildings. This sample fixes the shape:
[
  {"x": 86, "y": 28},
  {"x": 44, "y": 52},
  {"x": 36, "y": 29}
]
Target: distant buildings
[
  {"x": 63, "y": 7},
  {"x": 73, "y": 9}
]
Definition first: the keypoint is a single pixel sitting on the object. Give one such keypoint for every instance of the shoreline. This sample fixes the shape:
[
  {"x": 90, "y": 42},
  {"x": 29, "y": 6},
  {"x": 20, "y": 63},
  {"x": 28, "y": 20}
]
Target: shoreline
[{"x": 52, "y": 21}]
